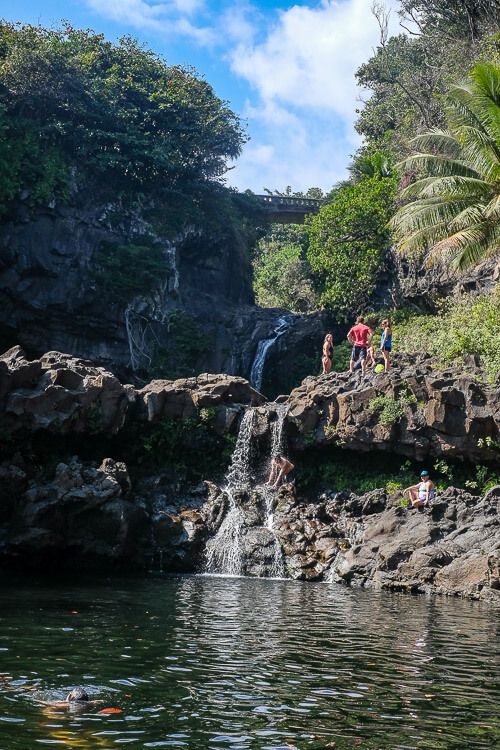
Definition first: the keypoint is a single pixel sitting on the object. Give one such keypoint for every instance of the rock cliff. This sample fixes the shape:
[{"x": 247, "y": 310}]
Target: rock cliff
[
  {"x": 97, "y": 511},
  {"x": 416, "y": 409},
  {"x": 193, "y": 312}
]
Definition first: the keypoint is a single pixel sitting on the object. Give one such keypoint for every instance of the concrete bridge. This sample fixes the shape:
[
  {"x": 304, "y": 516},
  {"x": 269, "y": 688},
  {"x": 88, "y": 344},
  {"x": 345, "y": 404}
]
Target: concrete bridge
[{"x": 287, "y": 209}]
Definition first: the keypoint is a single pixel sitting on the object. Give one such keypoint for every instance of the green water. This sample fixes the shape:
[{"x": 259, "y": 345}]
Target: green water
[{"x": 218, "y": 663}]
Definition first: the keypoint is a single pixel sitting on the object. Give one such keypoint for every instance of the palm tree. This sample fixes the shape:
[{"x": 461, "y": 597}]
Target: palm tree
[{"x": 454, "y": 209}]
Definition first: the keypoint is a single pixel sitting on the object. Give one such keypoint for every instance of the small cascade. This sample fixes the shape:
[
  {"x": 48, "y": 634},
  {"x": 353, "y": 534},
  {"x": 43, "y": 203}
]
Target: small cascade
[
  {"x": 277, "y": 435},
  {"x": 277, "y": 448},
  {"x": 277, "y": 567},
  {"x": 257, "y": 371},
  {"x": 227, "y": 553},
  {"x": 223, "y": 552}
]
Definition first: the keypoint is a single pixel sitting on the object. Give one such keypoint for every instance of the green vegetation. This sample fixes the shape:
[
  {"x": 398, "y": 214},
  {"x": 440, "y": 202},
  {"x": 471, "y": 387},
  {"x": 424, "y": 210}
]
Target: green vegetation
[
  {"x": 185, "y": 346},
  {"x": 454, "y": 207},
  {"x": 117, "y": 113},
  {"x": 124, "y": 271},
  {"x": 390, "y": 410},
  {"x": 282, "y": 278},
  {"x": 348, "y": 242},
  {"x": 467, "y": 326},
  {"x": 340, "y": 470},
  {"x": 408, "y": 72}
]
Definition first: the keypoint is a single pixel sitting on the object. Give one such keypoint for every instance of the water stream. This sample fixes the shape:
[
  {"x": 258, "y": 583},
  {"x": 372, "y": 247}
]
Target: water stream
[
  {"x": 224, "y": 551},
  {"x": 257, "y": 371}
]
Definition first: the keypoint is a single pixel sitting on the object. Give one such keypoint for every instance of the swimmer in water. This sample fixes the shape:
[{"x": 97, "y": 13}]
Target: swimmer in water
[{"x": 76, "y": 700}]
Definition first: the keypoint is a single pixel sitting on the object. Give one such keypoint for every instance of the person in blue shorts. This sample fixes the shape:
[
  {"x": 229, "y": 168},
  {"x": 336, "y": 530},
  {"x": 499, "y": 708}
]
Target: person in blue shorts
[{"x": 386, "y": 343}]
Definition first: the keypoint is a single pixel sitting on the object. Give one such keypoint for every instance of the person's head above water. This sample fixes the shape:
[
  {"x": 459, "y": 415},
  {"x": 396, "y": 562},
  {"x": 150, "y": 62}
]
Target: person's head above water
[{"x": 77, "y": 694}]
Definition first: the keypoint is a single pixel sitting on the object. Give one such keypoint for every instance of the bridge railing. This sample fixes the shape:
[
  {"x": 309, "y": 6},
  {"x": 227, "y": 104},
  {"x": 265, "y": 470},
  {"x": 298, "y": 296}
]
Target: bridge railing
[{"x": 291, "y": 202}]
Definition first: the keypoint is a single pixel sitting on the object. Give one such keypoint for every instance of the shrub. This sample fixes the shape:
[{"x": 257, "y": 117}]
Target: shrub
[
  {"x": 389, "y": 410},
  {"x": 348, "y": 240},
  {"x": 468, "y": 326}
]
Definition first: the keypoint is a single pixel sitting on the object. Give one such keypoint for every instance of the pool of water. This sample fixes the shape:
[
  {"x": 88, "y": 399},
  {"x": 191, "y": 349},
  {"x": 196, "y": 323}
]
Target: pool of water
[{"x": 230, "y": 664}]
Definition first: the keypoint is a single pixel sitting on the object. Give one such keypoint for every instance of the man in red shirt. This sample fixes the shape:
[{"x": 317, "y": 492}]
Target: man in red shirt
[{"x": 359, "y": 336}]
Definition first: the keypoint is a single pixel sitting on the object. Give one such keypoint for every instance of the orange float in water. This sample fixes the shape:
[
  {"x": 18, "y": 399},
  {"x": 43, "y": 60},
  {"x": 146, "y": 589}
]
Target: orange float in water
[{"x": 110, "y": 711}]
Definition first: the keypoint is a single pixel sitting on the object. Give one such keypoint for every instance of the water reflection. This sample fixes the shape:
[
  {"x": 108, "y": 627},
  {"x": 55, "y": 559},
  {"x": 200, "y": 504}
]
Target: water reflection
[{"x": 198, "y": 662}]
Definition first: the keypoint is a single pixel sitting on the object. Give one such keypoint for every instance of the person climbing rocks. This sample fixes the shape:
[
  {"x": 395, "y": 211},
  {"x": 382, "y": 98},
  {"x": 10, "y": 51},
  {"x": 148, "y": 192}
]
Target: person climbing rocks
[
  {"x": 76, "y": 700},
  {"x": 281, "y": 472},
  {"x": 386, "y": 343},
  {"x": 359, "y": 337},
  {"x": 326, "y": 359},
  {"x": 423, "y": 493}
]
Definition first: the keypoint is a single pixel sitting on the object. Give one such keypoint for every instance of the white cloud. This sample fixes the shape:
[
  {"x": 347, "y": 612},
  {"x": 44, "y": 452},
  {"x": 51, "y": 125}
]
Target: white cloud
[
  {"x": 300, "y": 65},
  {"x": 310, "y": 56},
  {"x": 303, "y": 74},
  {"x": 171, "y": 16}
]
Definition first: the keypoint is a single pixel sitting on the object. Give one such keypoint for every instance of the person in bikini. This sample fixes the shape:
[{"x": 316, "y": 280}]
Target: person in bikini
[
  {"x": 281, "y": 472},
  {"x": 423, "y": 493},
  {"x": 326, "y": 359},
  {"x": 359, "y": 337}
]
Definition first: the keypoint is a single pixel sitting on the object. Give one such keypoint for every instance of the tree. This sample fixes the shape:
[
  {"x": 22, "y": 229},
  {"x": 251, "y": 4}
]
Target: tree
[
  {"x": 282, "y": 278},
  {"x": 114, "y": 112},
  {"x": 454, "y": 208},
  {"x": 449, "y": 18},
  {"x": 407, "y": 73},
  {"x": 348, "y": 240}
]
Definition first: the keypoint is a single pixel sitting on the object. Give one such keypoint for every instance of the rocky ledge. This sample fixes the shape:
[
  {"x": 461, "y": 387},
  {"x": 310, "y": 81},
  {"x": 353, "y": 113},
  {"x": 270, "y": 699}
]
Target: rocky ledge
[
  {"x": 62, "y": 394},
  {"x": 417, "y": 410},
  {"x": 89, "y": 517}
]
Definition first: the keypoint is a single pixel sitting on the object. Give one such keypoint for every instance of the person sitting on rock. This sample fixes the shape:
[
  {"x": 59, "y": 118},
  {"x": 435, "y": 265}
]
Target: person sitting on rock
[
  {"x": 422, "y": 493},
  {"x": 76, "y": 700},
  {"x": 360, "y": 337},
  {"x": 326, "y": 360},
  {"x": 281, "y": 472}
]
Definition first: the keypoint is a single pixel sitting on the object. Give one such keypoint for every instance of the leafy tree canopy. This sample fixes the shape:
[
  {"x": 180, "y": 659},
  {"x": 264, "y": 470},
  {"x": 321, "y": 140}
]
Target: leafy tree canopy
[
  {"x": 348, "y": 240},
  {"x": 408, "y": 72},
  {"x": 282, "y": 278},
  {"x": 117, "y": 112}
]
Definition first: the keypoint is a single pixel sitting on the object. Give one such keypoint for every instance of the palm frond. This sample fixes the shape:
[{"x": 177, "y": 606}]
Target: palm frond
[
  {"x": 437, "y": 140},
  {"x": 454, "y": 209},
  {"x": 471, "y": 215},
  {"x": 492, "y": 209},
  {"x": 452, "y": 186}
]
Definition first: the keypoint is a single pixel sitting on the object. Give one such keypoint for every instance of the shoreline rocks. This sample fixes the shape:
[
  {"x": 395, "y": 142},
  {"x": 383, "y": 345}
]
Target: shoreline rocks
[{"x": 91, "y": 515}]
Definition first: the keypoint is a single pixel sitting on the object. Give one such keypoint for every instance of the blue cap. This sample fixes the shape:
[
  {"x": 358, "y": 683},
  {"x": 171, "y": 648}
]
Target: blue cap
[{"x": 424, "y": 473}]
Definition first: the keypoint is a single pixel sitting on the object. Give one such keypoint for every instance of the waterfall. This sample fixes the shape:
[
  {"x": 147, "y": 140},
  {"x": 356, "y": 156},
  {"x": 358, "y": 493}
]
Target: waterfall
[
  {"x": 277, "y": 448},
  {"x": 223, "y": 551},
  {"x": 257, "y": 371},
  {"x": 277, "y": 444}
]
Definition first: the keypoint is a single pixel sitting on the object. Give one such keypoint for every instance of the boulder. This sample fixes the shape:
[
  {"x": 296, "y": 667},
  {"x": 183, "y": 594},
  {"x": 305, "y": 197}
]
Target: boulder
[{"x": 432, "y": 412}]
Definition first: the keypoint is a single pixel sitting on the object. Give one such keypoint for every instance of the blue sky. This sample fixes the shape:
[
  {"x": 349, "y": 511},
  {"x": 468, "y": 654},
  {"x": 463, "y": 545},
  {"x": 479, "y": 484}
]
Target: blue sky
[{"x": 287, "y": 69}]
